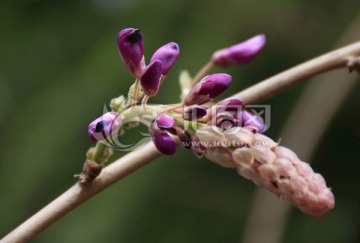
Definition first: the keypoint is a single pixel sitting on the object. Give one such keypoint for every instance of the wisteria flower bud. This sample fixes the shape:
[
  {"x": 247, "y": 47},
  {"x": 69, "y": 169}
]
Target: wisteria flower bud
[
  {"x": 167, "y": 55},
  {"x": 131, "y": 47},
  {"x": 164, "y": 121},
  {"x": 104, "y": 126},
  {"x": 208, "y": 88},
  {"x": 251, "y": 121},
  {"x": 194, "y": 112},
  {"x": 162, "y": 140},
  {"x": 241, "y": 53},
  {"x": 150, "y": 78}
]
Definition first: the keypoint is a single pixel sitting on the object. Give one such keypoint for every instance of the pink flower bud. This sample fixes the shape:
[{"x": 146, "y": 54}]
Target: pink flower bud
[
  {"x": 131, "y": 47},
  {"x": 104, "y": 126},
  {"x": 167, "y": 55},
  {"x": 208, "y": 88},
  {"x": 241, "y": 53},
  {"x": 150, "y": 78}
]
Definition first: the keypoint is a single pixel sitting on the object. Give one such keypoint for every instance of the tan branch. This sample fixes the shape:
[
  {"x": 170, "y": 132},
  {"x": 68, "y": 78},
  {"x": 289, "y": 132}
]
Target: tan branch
[
  {"x": 79, "y": 193},
  {"x": 289, "y": 78}
]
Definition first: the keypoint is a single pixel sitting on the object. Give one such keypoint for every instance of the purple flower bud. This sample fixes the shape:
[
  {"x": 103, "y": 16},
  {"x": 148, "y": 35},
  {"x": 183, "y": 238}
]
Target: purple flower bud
[
  {"x": 164, "y": 121},
  {"x": 162, "y": 140},
  {"x": 252, "y": 121},
  {"x": 131, "y": 46},
  {"x": 241, "y": 53},
  {"x": 150, "y": 78},
  {"x": 194, "y": 112},
  {"x": 104, "y": 126},
  {"x": 165, "y": 143},
  {"x": 167, "y": 55},
  {"x": 208, "y": 88}
]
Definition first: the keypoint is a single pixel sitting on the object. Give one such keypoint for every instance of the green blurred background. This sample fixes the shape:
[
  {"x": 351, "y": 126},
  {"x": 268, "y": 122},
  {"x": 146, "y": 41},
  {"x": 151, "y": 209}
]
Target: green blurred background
[{"x": 59, "y": 65}]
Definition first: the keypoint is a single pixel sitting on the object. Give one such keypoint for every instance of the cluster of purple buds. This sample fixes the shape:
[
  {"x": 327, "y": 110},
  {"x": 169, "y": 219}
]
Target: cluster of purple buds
[
  {"x": 227, "y": 114},
  {"x": 225, "y": 133},
  {"x": 131, "y": 48},
  {"x": 162, "y": 131}
]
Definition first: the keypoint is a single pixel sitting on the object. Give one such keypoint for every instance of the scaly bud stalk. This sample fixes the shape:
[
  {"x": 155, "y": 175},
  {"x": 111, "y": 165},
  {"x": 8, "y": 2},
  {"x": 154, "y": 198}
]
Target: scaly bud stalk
[{"x": 268, "y": 165}]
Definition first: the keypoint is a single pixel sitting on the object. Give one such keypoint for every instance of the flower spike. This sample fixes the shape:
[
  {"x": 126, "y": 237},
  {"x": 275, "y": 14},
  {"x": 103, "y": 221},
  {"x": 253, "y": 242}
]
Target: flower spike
[
  {"x": 167, "y": 55},
  {"x": 241, "y": 53},
  {"x": 131, "y": 47},
  {"x": 208, "y": 88}
]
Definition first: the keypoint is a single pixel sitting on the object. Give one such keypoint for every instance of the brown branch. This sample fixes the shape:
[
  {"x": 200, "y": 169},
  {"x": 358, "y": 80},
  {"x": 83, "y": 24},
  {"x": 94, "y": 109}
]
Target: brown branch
[
  {"x": 124, "y": 166},
  {"x": 79, "y": 193},
  {"x": 289, "y": 78}
]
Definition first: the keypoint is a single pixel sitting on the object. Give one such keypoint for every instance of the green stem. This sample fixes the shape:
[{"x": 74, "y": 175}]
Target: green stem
[
  {"x": 189, "y": 125},
  {"x": 99, "y": 152}
]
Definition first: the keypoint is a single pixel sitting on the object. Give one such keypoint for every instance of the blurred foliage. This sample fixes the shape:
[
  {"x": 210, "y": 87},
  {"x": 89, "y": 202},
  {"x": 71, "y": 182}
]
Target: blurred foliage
[{"x": 59, "y": 64}]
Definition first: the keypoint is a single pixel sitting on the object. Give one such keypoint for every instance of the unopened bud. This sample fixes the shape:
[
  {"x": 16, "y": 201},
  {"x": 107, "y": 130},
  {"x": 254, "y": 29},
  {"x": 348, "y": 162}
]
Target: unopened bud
[
  {"x": 131, "y": 47},
  {"x": 167, "y": 55},
  {"x": 241, "y": 53}
]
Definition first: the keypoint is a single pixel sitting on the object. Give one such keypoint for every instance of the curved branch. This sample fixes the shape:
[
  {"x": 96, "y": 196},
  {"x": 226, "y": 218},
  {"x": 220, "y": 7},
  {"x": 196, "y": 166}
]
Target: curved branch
[
  {"x": 79, "y": 193},
  {"x": 124, "y": 166},
  {"x": 274, "y": 85}
]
